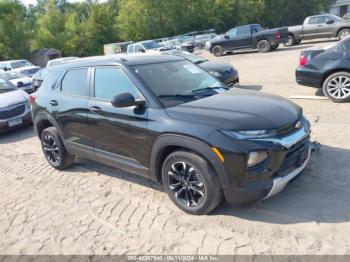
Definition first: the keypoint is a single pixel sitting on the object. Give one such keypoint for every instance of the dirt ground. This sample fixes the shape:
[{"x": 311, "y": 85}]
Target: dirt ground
[{"x": 90, "y": 209}]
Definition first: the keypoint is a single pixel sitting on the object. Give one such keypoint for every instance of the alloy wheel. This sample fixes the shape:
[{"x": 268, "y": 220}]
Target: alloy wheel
[
  {"x": 345, "y": 35},
  {"x": 339, "y": 87},
  {"x": 186, "y": 184},
  {"x": 51, "y": 149}
]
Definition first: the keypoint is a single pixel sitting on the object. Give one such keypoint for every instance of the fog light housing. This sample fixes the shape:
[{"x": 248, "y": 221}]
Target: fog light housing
[{"x": 256, "y": 157}]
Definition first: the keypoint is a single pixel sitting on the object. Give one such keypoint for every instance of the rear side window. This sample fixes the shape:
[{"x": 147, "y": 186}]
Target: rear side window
[
  {"x": 112, "y": 81},
  {"x": 75, "y": 82}
]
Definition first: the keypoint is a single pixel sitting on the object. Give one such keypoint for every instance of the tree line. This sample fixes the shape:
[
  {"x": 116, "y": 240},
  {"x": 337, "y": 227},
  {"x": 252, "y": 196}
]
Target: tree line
[{"x": 81, "y": 29}]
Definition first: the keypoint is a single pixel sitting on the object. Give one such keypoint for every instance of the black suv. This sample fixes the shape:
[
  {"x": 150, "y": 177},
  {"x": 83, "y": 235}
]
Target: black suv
[{"x": 167, "y": 119}]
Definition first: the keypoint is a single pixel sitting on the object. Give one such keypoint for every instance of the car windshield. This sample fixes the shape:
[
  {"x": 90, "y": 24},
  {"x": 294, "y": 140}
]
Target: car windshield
[
  {"x": 6, "y": 86},
  {"x": 178, "y": 82},
  {"x": 190, "y": 57},
  {"x": 151, "y": 45},
  {"x": 12, "y": 75},
  {"x": 19, "y": 64}
]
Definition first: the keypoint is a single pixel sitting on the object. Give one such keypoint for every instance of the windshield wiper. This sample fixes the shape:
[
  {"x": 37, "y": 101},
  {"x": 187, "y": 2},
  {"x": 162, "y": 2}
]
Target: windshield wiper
[
  {"x": 199, "y": 90},
  {"x": 177, "y": 96}
]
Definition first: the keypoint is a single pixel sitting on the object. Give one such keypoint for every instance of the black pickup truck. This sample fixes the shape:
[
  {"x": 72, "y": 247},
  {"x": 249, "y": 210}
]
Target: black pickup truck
[{"x": 247, "y": 37}]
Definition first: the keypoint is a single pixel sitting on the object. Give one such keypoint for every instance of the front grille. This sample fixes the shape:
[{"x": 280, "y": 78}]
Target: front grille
[
  {"x": 296, "y": 155},
  {"x": 12, "y": 112}
]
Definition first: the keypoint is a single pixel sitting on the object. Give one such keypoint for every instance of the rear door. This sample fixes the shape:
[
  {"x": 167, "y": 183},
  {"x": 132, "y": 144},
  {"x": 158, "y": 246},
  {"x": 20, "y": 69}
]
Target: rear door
[
  {"x": 70, "y": 109},
  {"x": 119, "y": 133}
]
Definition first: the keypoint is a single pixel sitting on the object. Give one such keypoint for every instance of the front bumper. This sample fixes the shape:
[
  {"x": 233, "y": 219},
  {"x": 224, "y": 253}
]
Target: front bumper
[
  {"x": 289, "y": 156},
  {"x": 230, "y": 78},
  {"x": 25, "y": 117}
]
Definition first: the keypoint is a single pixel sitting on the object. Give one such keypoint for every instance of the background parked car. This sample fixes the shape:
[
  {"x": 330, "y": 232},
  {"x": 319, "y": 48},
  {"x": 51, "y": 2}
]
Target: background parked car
[
  {"x": 200, "y": 40},
  {"x": 14, "y": 106},
  {"x": 22, "y": 66},
  {"x": 328, "y": 68},
  {"x": 319, "y": 26},
  {"x": 247, "y": 37},
  {"x": 222, "y": 71},
  {"x": 38, "y": 78},
  {"x": 19, "y": 80},
  {"x": 61, "y": 60},
  {"x": 148, "y": 46}
]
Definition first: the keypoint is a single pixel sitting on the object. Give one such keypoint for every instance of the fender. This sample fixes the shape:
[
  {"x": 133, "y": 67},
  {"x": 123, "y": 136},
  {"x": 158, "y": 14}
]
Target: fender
[
  {"x": 44, "y": 116},
  {"x": 184, "y": 142}
]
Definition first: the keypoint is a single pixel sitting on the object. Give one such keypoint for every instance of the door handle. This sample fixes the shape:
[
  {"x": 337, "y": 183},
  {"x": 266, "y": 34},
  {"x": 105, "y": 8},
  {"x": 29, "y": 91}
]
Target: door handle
[
  {"x": 53, "y": 103},
  {"x": 95, "y": 109}
]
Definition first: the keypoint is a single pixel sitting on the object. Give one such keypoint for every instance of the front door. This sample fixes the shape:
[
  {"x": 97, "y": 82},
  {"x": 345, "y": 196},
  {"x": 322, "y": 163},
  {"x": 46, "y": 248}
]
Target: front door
[{"x": 119, "y": 133}]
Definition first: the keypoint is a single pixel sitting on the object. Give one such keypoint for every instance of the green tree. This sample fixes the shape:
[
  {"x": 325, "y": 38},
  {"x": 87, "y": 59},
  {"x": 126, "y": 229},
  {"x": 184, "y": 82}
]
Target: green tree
[{"x": 14, "y": 32}]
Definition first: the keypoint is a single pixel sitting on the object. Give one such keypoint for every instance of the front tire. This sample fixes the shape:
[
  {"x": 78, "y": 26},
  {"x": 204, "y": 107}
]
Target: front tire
[
  {"x": 199, "y": 45},
  {"x": 217, "y": 51},
  {"x": 344, "y": 34},
  {"x": 291, "y": 41},
  {"x": 191, "y": 183},
  {"x": 337, "y": 87},
  {"x": 264, "y": 46},
  {"x": 53, "y": 149}
]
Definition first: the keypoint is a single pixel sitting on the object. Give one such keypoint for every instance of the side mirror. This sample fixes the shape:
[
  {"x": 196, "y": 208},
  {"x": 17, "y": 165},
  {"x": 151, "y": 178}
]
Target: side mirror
[
  {"x": 226, "y": 36},
  {"x": 330, "y": 21},
  {"x": 126, "y": 100},
  {"x": 19, "y": 84},
  {"x": 143, "y": 50},
  {"x": 7, "y": 69}
]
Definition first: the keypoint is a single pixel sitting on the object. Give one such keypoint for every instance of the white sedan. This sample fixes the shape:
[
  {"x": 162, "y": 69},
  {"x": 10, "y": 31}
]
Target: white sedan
[{"x": 19, "y": 80}]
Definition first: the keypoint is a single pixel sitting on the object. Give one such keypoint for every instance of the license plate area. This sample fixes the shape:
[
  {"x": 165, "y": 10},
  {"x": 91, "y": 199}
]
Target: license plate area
[{"x": 15, "y": 121}]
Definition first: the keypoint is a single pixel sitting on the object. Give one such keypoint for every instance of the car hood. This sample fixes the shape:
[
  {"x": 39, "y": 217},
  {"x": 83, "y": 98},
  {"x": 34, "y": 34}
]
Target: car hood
[
  {"x": 238, "y": 109},
  {"x": 215, "y": 66},
  {"x": 13, "y": 98}
]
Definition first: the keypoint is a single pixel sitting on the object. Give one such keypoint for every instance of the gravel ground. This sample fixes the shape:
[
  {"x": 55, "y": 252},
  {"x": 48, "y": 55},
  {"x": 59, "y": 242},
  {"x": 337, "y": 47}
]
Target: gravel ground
[{"x": 91, "y": 209}]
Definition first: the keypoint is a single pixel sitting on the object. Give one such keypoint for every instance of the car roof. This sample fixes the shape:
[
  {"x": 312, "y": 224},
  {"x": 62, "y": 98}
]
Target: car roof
[
  {"x": 11, "y": 61},
  {"x": 140, "y": 59}
]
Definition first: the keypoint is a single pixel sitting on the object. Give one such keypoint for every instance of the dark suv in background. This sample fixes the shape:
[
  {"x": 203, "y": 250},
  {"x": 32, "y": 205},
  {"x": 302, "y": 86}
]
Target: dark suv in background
[{"x": 165, "y": 118}]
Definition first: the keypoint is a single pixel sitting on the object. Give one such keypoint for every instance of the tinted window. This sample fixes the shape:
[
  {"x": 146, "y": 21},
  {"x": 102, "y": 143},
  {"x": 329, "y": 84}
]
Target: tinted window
[
  {"x": 75, "y": 82},
  {"x": 232, "y": 32},
  {"x": 313, "y": 20},
  {"x": 138, "y": 48},
  {"x": 243, "y": 30},
  {"x": 111, "y": 81}
]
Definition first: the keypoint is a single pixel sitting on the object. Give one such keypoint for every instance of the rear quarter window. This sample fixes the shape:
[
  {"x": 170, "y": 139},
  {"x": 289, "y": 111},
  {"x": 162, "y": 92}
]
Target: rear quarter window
[{"x": 75, "y": 82}]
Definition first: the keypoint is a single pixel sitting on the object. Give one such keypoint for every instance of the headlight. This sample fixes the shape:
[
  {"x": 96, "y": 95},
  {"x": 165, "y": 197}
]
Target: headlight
[
  {"x": 256, "y": 158},
  {"x": 215, "y": 73},
  {"x": 249, "y": 134}
]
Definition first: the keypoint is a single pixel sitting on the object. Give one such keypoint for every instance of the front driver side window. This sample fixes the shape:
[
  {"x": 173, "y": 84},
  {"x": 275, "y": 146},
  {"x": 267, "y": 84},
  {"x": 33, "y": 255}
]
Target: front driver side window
[
  {"x": 112, "y": 81},
  {"x": 232, "y": 32}
]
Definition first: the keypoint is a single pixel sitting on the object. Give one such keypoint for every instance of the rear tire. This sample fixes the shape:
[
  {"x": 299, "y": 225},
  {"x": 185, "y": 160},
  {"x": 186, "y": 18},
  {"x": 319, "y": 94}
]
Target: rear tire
[
  {"x": 337, "y": 87},
  {"x": 191, "y": 183},
  {"x": 344, "y": 34},
  {"x": 217, "y": 51},
  {"x": 291, "y": 41},
  {"x": 264, "y": 46},
  {"x": 54, "y": 150}
]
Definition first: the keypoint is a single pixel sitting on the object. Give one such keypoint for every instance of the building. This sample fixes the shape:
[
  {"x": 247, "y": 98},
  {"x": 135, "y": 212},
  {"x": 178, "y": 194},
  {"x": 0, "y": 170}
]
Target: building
[{"x": 340, "y": 8}]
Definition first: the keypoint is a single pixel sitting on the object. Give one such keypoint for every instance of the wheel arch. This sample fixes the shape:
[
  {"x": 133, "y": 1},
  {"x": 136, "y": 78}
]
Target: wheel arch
[
  {"x": 169, "y": 143},
  {"x": 331, "y": 72},
  {"x": 342, "y": 28},
  {"x": 42, "y": 121}
]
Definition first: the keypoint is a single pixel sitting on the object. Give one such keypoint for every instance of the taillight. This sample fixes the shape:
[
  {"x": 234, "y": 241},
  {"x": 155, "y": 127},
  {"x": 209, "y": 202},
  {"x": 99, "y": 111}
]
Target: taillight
[
  {"x": 32, "y": 98},
  {"x": 278, "y": 35},
  {"x": 303, "y": 60}
]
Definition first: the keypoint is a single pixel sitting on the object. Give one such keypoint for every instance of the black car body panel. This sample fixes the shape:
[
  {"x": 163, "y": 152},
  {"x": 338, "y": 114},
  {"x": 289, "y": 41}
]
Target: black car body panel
[
  {"x": 138, "y": 138},
  {"x": 323, "y": 62}
]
